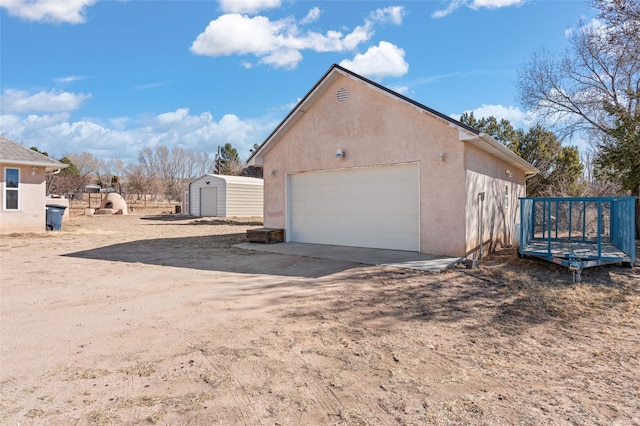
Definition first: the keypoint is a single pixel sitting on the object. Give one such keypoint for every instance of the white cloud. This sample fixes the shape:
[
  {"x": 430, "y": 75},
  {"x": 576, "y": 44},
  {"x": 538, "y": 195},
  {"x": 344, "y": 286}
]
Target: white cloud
[
  {"x": 280, "y": 43},
  {"x": 403, "y": 90},
  {"x": 312, "y": 16},
  {"x": 65, "y": 11},
  {"x": 239, "y": 34},
  {"x": 150, "y": 85},
  {"x": 494, "y": 4},
  {"x": 284, "y": 58},
  {"x": 475, "y": 5},
  {"x": 124, "y": 137},
  {"x": 393, "y": 14},
  {"x": 453, "y": 6},
  {"x": 19, "y": 101},
  {"x": 69, "y": 79},
  {"x": 594, "y": 25},
  {"x": 247, "y": 6},
  {"x": 380, "y": 61},
  {"x": 173, "y": 117}
]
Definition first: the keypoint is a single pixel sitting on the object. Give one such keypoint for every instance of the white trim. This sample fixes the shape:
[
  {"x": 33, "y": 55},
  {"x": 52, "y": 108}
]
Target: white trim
[{"x": 5, "y": 189}]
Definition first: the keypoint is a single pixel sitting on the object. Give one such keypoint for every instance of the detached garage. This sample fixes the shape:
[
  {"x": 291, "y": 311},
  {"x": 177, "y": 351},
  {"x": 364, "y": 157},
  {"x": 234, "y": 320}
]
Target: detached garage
[
  {"x": 357, "y": 164},
  {"x": 224, "y": 196}
]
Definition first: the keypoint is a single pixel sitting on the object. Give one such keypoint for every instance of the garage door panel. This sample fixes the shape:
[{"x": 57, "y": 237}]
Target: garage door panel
[{"x": 365, "y": 207}]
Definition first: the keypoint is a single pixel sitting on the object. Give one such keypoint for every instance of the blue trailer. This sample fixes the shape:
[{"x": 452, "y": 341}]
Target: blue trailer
[{"x": 578, "y": 232}]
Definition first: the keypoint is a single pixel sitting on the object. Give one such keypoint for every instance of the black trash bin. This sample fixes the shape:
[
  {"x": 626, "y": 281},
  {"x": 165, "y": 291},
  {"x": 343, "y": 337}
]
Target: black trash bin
[{"x": 54, "y": 217}]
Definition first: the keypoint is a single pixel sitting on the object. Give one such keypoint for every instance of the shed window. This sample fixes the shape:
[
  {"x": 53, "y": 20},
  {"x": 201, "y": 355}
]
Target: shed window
[{"x": 11, "y": 189}]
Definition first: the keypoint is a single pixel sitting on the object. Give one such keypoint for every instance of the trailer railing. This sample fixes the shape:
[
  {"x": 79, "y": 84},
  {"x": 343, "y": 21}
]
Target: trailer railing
[{"x": 588, "y": 230}]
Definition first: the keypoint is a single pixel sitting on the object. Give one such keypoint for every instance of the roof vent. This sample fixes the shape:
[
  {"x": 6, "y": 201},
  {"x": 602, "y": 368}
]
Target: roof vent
[{"x": 342, "y": 95}]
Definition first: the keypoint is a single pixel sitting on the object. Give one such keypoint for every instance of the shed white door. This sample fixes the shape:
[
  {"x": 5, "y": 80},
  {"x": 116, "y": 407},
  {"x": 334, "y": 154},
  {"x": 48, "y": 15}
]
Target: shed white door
[
  {"x": 209, "y": 201},
  {"x": 375, "y": 207}
]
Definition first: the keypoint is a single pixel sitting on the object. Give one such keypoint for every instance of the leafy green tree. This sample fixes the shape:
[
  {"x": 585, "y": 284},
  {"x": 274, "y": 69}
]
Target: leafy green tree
[
  {"x": 33, "y": 148},
  {"x": 71, "y": 170},
  {"x": 228, "y": 161},
  {"x": 560, "y": 167},
  {"x": 501, "y": 130},
  {"x": 69, "y": 181}
]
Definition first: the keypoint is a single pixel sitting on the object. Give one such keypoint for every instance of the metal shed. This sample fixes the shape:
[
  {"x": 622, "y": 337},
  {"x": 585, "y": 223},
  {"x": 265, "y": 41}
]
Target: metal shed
[
  {"x": 221, "y": 196},
  {"x": 578, "y": 232}
]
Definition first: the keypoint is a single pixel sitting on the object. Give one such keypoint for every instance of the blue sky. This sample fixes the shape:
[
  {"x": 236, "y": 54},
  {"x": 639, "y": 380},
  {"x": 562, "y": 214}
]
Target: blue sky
[{"x": 113, "y": 77}]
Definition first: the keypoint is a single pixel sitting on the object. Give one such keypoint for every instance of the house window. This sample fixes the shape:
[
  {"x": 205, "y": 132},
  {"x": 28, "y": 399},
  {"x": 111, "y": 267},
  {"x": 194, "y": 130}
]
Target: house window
[{"x": 11, "y": 189}]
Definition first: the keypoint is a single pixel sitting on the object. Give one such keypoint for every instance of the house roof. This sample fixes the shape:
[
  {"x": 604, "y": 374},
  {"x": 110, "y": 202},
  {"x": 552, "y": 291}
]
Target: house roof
[
  {"x": 13, "y": 153},
  {"x": 467, "y": 133}
]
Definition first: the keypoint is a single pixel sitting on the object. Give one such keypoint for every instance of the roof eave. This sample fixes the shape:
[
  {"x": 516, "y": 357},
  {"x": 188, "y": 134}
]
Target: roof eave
[
  {"x": 497, "y": 149},
  {"x": 48, "y": 165}
]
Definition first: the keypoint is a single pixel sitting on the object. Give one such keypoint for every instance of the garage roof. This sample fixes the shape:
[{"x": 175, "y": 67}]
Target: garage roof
[{"x": 467, "y": 133}]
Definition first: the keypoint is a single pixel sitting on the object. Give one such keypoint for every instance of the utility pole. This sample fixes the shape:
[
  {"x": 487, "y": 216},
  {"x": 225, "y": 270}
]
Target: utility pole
[{"x": 218, "y": 170}]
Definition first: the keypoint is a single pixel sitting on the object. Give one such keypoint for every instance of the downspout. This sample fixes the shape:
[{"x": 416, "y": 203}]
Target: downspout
[{"x": 480, "y": 222}]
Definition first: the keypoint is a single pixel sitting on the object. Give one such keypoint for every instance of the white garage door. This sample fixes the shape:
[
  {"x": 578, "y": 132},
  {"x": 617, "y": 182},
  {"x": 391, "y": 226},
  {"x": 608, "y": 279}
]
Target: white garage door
[{"x": 361, "y": 207}]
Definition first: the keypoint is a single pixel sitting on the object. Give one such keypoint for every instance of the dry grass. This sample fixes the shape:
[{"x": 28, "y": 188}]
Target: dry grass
[{"x": 190, "y": 330}]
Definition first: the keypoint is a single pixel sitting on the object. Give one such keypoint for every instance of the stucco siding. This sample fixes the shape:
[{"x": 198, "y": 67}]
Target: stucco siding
[
  {"x": 31, "y": 213},
  {"x": 502, "y": 185},
  {"x": 375, "y": 129}
]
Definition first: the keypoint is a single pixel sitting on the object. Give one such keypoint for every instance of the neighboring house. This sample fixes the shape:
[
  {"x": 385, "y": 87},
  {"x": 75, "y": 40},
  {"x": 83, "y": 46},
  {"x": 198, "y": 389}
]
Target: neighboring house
[
  {"x": 23, "y": 187},
  {"x": 357, "y": 164},
  {"x": 221, "y": 196}
]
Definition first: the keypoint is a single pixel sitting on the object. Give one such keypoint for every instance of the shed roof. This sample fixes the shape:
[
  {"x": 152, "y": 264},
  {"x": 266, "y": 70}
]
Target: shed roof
[
  {"x": 466, "y": 133},
  {"x": 234, "y": 179},
  {"x": 13, "y": 153}
]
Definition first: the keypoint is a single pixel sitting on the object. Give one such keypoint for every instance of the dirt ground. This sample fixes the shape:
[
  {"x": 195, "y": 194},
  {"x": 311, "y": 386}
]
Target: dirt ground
[{"x": 157, "y": 319}]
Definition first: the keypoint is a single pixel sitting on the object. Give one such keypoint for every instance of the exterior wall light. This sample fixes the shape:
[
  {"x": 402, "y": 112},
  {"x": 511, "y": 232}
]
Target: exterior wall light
[
  {"x": 508, "y": 173},
  {"x": 340, "y": 154},
  {"x": 441, "y": 157},
  {"x": 34, "y": 171}
]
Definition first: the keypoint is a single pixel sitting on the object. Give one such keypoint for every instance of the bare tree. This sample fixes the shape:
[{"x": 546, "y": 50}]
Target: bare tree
[
  {"x": 138, "y": 180},
  {"x": 593, "y": 88},
  {"x": 89, "y": 167},
  {"x": 202, "y": 163},
  {"x": 174, "y": 167},
  {"x": 601, "y": 65},
  {"x": 115, "y": 171}
]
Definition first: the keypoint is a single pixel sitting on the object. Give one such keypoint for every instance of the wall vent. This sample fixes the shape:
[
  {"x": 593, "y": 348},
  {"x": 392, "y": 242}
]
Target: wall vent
[{"x": 342, "y": 95}]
